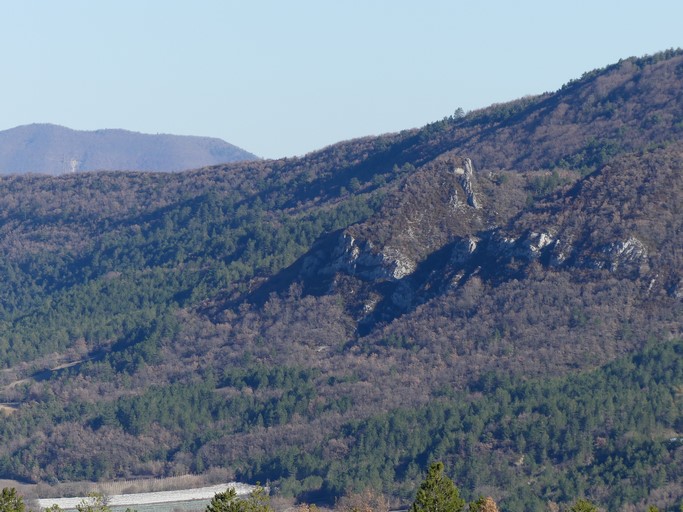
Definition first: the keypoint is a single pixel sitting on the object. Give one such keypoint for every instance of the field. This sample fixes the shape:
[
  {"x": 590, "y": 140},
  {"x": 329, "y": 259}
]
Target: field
[{"x": 185, "y": 499}]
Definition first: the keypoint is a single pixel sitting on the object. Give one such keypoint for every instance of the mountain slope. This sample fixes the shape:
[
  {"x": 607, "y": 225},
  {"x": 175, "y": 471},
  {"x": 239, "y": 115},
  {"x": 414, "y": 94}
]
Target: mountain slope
[
  {"x": 331, "y": 322},
  {"x": 624, "y": 107},
  {"x": 51, "y": 149}
]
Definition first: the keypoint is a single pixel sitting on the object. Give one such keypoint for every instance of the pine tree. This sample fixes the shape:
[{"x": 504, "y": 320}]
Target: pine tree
[
  {"x": 10, "y": 501},
  {"x": 437, "y": 493},
  {"x": 228, "y": 501},
  {"x": 223, "y": 501}
]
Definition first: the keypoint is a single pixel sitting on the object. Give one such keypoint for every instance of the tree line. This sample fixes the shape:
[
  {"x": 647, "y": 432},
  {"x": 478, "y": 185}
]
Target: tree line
[{"x": 436, "y": 493}]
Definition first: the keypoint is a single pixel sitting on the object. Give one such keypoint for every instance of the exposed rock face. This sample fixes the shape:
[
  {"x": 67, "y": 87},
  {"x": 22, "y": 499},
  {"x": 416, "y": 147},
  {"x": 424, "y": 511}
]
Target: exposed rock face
[
  {"x": 456, "y": 208},
  {"x": 561, "y": 250},
  {"x": 360, "y": 258},
  {"x": 528, "y": 247},
  {"x": 630, "y": 253},
  {"x": 466, "y": 174},
  {"x": 398, "y": 265},
  {"x": 463, "y": 250},
  {"x": 467, "y": 184},
  {"x": 437, "y": 235},
  {"x": 429, "y": 211},
  {"x": 627, "y": 257}
]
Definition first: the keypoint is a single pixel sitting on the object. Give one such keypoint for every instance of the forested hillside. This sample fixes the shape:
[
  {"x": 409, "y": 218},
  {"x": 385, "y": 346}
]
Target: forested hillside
[{"x": 500, "y": 290}]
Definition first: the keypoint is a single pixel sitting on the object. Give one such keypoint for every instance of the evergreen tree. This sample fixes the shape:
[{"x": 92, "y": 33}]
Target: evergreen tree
[
  {"x": 223, "y": 501},
  {"x": 10, "y": 501},
  {"x": 228, "y": 501},
  {"x": 437, "y": 493}
]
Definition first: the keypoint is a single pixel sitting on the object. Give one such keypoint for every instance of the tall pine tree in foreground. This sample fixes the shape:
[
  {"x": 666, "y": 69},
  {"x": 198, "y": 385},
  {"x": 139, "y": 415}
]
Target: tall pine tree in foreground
[
  {"x": 10, "y": 501},
  {"x": 437, "y": 493}
]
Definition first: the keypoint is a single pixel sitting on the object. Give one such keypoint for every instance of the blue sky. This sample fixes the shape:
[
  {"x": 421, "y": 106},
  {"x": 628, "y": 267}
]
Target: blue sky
[{"x": 283, "y": 78}]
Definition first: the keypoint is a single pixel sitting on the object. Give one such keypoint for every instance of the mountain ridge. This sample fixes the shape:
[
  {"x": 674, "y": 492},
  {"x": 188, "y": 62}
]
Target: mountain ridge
[
  {"x": 54, "y": 149},
  {"x": 336, "y": 321}
]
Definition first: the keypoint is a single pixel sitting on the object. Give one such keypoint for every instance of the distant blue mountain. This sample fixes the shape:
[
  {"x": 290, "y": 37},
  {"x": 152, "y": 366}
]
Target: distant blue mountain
[{"x": 52, "y": 149}]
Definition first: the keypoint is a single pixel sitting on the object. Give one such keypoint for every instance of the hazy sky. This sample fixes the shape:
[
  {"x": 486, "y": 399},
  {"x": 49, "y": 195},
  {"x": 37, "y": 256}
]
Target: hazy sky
[{"x": 285, "y": 77}]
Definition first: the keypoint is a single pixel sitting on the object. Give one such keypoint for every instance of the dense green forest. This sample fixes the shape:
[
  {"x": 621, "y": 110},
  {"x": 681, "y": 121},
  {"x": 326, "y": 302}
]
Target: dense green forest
[
  {"x": 500, "y": 290},
  {"x": 607, "y": 433}
]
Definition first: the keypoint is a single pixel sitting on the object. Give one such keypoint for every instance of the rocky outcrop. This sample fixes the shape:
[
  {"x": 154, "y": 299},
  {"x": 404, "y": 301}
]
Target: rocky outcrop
[
  {"x": 463, "y": 250},
  {"x": 628, "y": 257},
  {"x": 531, "y": 246},
  {"x": 430, "y": 210},
  {"x": 560, "y": 252},
  {"x": 466, "y": 174},
  {"x": 360, "y": 258},
  {"x": 631, "y": 254},
  {"x": 497, "y": 248}
]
